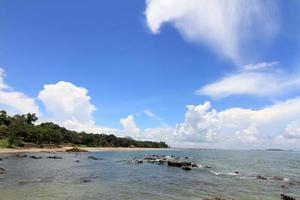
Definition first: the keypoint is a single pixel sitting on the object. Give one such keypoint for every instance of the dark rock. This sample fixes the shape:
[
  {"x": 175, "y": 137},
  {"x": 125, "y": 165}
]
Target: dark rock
[
  {"x": 236, "y": 172},
  {"x": 2, "y": 170},
  {"x": 179, "y": 164},
  {"x": 286, "y": 197},
  {"x": 94, "y": 158},
  {"x": 162, "y": 162},
  {"x": 139, "y": 161},
  {"x": 186, "y": 168},
  {"x": 276, "y": 178},
  {"x": 77, "y": 161},
  {"x": 194, "y": 165},
  {"x": 261, "y": 177},
  {"x": 174, "y": 164},
  {"x": 35, "y": 157},
  {"x": 54, "y": 157},
  {"x": 21, "y": 156},
  {"x": 1, "y": 159},
  {"x": 188, "y": 164},
  {"x": 76, "y": 150}
]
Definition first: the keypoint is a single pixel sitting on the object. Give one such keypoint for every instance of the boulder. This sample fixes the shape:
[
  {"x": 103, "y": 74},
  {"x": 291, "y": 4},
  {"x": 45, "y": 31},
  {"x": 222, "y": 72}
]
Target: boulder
[
  {"x": 179, "y": 164},
  {"x": 174, "y": 164},
  {"x": 286, "y": 197},
  {"x": 186, "y": 168}
]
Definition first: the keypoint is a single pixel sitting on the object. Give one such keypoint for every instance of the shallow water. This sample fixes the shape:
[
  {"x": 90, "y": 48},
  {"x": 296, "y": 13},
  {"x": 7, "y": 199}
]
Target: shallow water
[{"x": 115, "y": 177}]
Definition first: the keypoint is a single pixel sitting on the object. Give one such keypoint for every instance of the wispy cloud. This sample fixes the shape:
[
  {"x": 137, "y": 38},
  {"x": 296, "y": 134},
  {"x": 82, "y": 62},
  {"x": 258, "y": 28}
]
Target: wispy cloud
[
  {"x": 261, "y": 65},
  {"x": 259, "y": 79},
  {"x": 226, "y": 26}
]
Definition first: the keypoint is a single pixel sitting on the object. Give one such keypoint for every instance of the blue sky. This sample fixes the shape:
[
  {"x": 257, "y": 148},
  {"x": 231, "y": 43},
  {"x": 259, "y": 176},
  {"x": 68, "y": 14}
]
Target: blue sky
[{"x": 153, "y": 57}]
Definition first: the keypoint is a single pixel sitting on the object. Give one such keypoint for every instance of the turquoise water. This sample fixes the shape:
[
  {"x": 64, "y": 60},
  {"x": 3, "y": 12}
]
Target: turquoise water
[{"x": 115, "y": 177}]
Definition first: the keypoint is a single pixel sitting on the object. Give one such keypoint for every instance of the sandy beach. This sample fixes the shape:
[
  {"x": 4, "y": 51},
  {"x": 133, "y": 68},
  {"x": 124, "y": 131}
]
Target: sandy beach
[{"x": 63, "y": 149}]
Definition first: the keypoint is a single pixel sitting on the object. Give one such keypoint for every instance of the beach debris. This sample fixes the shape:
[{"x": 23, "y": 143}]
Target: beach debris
[
  {"x": 76, "y": 150},
  {"x": 54, "y": 157},
  {"x": 286, "y": 197},
  {"x": 94, "y": 158},
  {"x": 2, "y": 170},
  {"x": 35, "y": 157}
]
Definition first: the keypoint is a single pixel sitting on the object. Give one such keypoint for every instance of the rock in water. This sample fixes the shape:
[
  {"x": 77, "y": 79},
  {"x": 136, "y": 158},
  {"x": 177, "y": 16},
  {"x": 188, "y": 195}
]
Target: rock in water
[
  {"x": 286, "y": 197},
  {"x": 261, "y": 177},
  {"x": 94, "y": 158},
  {"x": 36, "y": 157},
  {"x": 54, "y": 157},
  {"x": 186, "y": 168}
]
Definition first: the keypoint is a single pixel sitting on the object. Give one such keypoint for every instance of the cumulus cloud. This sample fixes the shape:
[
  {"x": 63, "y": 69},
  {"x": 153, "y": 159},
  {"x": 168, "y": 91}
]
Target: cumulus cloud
[
  {"x": 229, "y": 128},
  {"x": 224, "y": 25},
  {"x": 259, "y": 82},
  {"x": 249, "y": 135},
  {"x": 13, "y": 101},
  {"x": 292, "y": 130},
  {"x": 129, "y": 126},
  {"x": 67, "y": 101},
  {"x": 71, "y": 107},
  {"x": 200, "y": 125}
]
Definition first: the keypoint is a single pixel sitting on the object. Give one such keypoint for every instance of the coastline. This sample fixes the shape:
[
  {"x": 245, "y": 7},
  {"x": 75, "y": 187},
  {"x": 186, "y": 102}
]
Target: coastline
[{"x": 89, "y": 149}]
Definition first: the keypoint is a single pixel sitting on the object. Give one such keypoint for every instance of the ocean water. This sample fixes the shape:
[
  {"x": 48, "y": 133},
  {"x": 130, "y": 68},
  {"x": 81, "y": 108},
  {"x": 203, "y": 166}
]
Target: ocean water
[{"x": 115, "y": 177}]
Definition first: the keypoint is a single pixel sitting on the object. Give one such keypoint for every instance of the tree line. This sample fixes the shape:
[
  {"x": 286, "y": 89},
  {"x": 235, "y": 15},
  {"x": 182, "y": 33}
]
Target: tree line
[{"x": 19, "y": 130}]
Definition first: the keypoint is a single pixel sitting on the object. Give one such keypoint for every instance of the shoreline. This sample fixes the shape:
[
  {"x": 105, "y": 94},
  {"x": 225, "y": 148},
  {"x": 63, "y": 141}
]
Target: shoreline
[{"x": 89, "y": 149}]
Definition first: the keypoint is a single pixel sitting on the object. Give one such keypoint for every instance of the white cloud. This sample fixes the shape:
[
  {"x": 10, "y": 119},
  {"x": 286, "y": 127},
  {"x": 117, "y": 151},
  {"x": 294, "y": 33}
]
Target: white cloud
[
  {"x": 67, "y": 101},
  {"x": 13, "y": 101},
  {"x": 261, "y": 83},
  {"x": 200, "y": 125},
  {"x": 71, "y": 107},
  {"x": 292, "y": 130},
  {"x": 249, "y": 135},
  {"x": 224, "y": 25},
  {"x": 149, "y": 113},
  {"x": 129, "y": 126},
  {"x": 261, "y": 65},
  {"x": 229, "y": 128}
]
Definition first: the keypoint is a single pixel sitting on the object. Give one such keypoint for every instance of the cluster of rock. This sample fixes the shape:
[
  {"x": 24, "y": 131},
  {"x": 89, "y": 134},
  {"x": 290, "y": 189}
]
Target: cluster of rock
[
  {"x": 287, "y": 197},
  {"x": 171, "y": 161}
]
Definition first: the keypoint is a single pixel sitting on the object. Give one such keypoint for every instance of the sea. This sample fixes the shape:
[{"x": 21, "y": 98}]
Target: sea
[{"x": 228, "y": 174}]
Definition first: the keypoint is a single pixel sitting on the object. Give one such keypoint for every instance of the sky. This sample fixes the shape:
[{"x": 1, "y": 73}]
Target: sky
[{"x": 200, "y": 74}]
